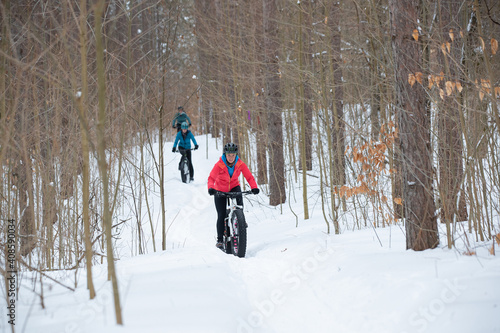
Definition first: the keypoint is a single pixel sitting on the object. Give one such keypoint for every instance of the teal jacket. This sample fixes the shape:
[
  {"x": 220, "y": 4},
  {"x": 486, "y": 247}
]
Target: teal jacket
[
  {"x": 185, "y": 140},
  {"x": 179, "y": 118}
]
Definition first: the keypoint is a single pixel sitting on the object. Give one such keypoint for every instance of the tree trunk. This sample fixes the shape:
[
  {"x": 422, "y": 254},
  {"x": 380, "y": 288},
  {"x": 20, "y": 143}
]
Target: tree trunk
[
  {"x": 414, "y": 129},
  {"x": 277, "y": 193},
  {"x": 304, "y": 140},
  {"x": 101, "y": 148},
  {"x": 85, "y": 149},
  {"x": 338, "y": 146},
  {"x": 451, "y": 173}
]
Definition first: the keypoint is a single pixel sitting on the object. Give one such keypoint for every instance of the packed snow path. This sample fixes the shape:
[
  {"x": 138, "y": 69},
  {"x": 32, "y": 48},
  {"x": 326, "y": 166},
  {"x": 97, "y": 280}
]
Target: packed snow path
[{"x": 293, "y": 279}]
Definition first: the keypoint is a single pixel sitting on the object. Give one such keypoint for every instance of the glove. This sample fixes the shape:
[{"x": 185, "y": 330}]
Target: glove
[
  {"x": 255, "y": 191},
  {"x": 173, "y": 150},
  {"x": 196, "y": 147},
  {"x": 211, "y": 191}
]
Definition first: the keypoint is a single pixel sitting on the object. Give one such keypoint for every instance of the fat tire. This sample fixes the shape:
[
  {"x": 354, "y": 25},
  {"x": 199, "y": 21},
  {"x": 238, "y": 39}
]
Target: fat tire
[
  {"x": 184, "y": 170},
  {"x": 239, "y": 228},
  {"x": 227, "y": 246}
]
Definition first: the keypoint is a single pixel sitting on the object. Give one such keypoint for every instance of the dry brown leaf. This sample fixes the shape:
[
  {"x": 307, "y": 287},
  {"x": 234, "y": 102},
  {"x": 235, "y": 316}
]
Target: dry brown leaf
[
  {"x": 398, "y": 201},
  {"x": 419, "y": 76},
  {"x": 492, "y": 250},
  {"x": 443, "y": 48},
  {"x": 384, "y": 199},
  {"x": 415, "y": 34},
  {"x": 494, "y": 46},
  {"x": 497, "y": 238},
  {"x": 441, "y": 93},
  {"x": 481, "y": 95},
  {"x": 459, "y": 87},
  {"x": 497, "y": 91},
  {"x": 448, "y": 47},
  {"x": 431, "y": 81},
  {"x": 482, "y": 43},
  {"x": 452, "y": 35},
  {"x": 411, "y": 79},
  {"x": 449, "y": 88}
]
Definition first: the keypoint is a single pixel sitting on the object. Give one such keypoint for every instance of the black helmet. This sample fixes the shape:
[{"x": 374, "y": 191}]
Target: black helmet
[
  {"x": 180, "y": 108},
  {"x": 230, "y": 148}
]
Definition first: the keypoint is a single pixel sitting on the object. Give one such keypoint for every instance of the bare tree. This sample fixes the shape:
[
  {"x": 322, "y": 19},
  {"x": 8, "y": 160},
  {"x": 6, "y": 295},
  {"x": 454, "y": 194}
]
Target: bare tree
[
  {"x": 451, "y": 174},
  {"x": 101, "y": 148},
  {"x": 414, "y": 129},
  {"x": 277, "y": 193},
  {"x": 83, "y": 105}
]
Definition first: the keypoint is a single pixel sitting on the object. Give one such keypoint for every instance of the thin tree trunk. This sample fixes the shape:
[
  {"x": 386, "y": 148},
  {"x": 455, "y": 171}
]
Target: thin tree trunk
[
  {"x": 451, "y": 174},
  {"x": 338, "y": 125},
  {"x": 85, "y": 148},
  {"x": 302, "y": 114},
  {"x": 103, "y": 166}
]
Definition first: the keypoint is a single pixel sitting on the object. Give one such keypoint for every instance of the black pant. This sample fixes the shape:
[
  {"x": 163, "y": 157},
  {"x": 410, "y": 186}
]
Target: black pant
[
  {"x": 220, "y": 206},
  {"x": 187, "y": 152}
]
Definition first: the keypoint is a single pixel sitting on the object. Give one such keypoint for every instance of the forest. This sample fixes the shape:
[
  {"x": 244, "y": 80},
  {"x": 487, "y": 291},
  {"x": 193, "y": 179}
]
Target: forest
[{"x": 392, "y": 106}]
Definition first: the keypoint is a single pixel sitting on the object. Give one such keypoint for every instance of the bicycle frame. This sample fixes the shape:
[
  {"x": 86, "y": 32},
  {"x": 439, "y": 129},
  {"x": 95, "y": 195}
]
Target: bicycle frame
[
  {"x": 234, "y": 222},
  {"x": 232, "y": 205}
]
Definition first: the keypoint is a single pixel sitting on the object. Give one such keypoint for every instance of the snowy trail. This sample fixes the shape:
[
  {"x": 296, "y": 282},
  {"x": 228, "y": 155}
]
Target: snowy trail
[{"x": 293, "y": 279}]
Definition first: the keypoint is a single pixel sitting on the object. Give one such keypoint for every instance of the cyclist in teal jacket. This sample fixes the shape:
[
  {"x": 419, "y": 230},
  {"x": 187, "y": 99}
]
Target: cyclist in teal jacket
[
  {"x": 180, "y": 118},
  {"x": 184, "y": 138}
]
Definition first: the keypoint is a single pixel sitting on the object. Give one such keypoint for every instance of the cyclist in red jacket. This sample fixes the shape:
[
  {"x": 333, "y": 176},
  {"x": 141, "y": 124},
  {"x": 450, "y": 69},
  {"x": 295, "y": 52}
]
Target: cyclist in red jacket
[{"x": 224, "y": 177}]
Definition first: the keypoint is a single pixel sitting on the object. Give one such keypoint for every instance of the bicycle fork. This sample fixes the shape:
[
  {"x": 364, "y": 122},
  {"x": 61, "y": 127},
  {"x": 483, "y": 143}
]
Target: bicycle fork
[{"x": 233, "y": 230}]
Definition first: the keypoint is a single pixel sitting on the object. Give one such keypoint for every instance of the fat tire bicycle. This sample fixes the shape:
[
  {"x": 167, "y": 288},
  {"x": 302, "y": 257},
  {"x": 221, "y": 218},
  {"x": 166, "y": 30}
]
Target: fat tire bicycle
[
  {"x": 234, "y": 240},
  {"x": 184, "y": 165}
]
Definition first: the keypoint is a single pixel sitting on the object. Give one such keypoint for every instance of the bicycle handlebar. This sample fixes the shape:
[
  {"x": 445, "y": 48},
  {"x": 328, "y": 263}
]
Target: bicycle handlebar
[
  {"x": 230, "y": 194},
  {"x": 177, "y": 150}
]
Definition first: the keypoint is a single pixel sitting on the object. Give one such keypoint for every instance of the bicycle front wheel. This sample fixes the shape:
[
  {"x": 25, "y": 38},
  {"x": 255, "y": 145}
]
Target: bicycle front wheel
[
  {"x": 184, "y": 170},
  {"x": 239, "y": 229}
]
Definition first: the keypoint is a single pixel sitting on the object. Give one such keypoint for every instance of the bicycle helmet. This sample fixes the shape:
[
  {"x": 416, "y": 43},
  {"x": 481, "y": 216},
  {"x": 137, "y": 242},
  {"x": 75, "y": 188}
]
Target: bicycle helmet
[
  {"x": 230, "y": 148},
  {"x": 180, "y": 108},
  {"x": 184, "y": 125}
]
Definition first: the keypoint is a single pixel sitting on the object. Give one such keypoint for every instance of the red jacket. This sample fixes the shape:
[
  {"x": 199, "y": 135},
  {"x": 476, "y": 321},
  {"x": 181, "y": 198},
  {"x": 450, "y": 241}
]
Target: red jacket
[{"x": 219, "y": 176}]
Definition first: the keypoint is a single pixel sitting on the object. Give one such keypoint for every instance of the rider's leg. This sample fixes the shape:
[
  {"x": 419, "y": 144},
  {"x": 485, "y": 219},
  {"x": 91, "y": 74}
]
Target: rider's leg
[
  {"x": 239, "y": 198},
  {"x": 183, "y": 152},
  {"x": 220, "y": 206},
  {"x": 190, "y": 164}
]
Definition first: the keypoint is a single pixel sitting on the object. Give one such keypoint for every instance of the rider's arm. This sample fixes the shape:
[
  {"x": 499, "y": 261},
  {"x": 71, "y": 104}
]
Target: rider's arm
[
  {"x": 248, "y": 176},
  {"x": 177, "y": 138},
  {"x": 175, "y": 119},
  {"x": 212, "y": 177},
  {"x": 193, "y": 139}
]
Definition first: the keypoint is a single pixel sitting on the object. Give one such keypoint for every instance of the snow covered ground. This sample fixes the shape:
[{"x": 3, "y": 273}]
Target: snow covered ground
[{"x": 293, "y": 279}]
